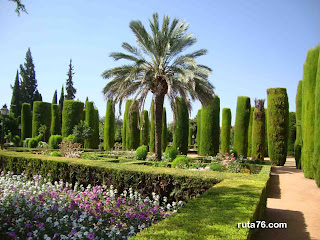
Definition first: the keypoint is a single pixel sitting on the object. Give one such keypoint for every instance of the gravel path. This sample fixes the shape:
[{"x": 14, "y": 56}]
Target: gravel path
[{"x": 295, "y": 200}]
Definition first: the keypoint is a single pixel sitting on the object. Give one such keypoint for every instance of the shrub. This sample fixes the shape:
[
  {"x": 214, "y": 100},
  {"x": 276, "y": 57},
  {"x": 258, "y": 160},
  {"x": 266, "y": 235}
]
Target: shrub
[
  {"x": 89, "y": 142},
  {"x": 199, "y": 131},
  {"x": 125, "y": 124},
  {"x": 54, "y": 141},
  {"x": 164, "y": 134},
  {"x": 144, "y": 130},
  {"x": 266, "y": 154},
  {"x": 180, "y": 162},
  {"x": 250, "y": 132},
  {"x": 292, "y": 133},
  {"x": 298, "y": 142},
  {"x": 278, "y": 124},
  {"x": 171, "y": 153},
  {"x": 217, "y": 166},
  {"x": 141, "y": 152},
  {"x": 133, "y": 135},
  {"x": 225, "y": 130},
  {"x": 71, "y": 138},
  {"x": 181, "y": 128},
  {"x": 152, "y": 128},
  {"x": 16, "y": 141},
  {"x": 55, "y": 120},
  {"x": 26, "y": 121},
  {"x": 258, "y": 131},
  {"x": 241, "y": 126},
  {"x": 109, "y": 127},
  {"x": 41, "y": 117},
  {"x": 56, "y": 154},
  {"x": 26, "y": 142},
  {"x": 33, "y": 143},
  {"x": 69, "y": 149},
  {"x": 72, "y": 114}
]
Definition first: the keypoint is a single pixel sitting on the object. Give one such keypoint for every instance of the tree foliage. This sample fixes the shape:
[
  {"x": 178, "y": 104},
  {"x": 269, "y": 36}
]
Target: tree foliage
[{"x": 71, "y": 91}]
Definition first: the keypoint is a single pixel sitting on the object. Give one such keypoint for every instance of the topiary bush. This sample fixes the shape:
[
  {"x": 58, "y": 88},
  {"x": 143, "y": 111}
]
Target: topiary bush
[
  {"x": 171, "y": 153},
  {"x": 72, "y": 114},
  {"x": 56, "y": 154},
  {"x": 71, "y": 138},
  {"x": 181, "y": 128},
  {"x": 54, "y": 141},
  {"x": 26, "y": 121},
  {"x": 225, "y": 130},
  {"x": 258, "y": 131},
  {"x": 55, "y": 120},
  {"x": 250, "y": 132},
  {"x": 32, "y": 143},
  {"x": 141, "y": 152},
  {"x": 109, "y": 127},
  {"x": 298, "y": 142},
  {"x": 41, "y": 116},
  {"x": 16, "y": 141},
  {"x": 133, "y": 135},
  {"x": 144, "y": 129},
  {"x": 278, "y": 125},
  {"x": 89, "y": 119},
  {"x": 180, "y": 162}
]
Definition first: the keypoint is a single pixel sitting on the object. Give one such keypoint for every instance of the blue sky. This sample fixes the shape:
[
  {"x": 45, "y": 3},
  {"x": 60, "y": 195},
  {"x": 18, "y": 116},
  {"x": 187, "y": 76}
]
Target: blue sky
[{"x": 252, "y": 44}]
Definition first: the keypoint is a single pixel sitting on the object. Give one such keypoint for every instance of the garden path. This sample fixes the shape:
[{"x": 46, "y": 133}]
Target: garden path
[{"x": 292, "y": 199}]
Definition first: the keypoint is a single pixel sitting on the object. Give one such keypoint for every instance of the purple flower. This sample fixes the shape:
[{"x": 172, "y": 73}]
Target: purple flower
[
  {"x": 41, "y": 225},
  {"x": 91, "y": 236},
  {"x": 29, "y": 234},
  {"x": 12, "y": 234},
  {"x": 28, "y": 225}
]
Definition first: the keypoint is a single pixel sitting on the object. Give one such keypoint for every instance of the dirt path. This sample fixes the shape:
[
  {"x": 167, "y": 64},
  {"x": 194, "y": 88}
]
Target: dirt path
[{"x": 295, "y": 200}]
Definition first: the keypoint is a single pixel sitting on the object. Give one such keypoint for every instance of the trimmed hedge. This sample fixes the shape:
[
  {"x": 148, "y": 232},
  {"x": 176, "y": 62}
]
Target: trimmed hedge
[
  {"x": 316, "y": 159},
  {"x": 258, "y": 131},
  {"x": 133, "y": 138},
  {"x": 210, "y": 130},
  {"x": 54, "y": 141},
  {"x": 55, "y": 120},
  {"x": 41, "y": 116},
  {"x": 72, "y": 114},
  {"x": 298, "y": 142},
  {"x": 96, "y": 138},
  {"x": 241, "y": 126},
  {"x": 125, "y": 124},
  {"x": 225, "y": 130},
  {"x": 199, "y": 131},
  {"x": 141, "y": 152},
  {"x": 109, "y": 127},
  {"x": 308, "y": 121},
  {"x": 181, "y": 128},
  {"x": 144, "y": 130},
  {"x": 152, "y": 129},
  {"x": 190, "y": 136},
  {"x": 90, "y": 120},
  {"x": 26, "y": 121},
  {"x": 164, "y": 134},
  {"x": 278, "y": 125},
  {"x": 266, "y": 148},
  {"x": 250, "y": 132},
  {"x": 292, "y": 133},
  {"x": 32, "y": 143}
]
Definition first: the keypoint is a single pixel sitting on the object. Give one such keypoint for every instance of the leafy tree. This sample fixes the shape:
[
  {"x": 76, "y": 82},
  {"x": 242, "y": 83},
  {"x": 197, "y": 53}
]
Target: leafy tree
[
  {"x": 61, "y": 103},
  {"x": 82, "y": 131},
  {"x": 55, "y": 97},
  {"x": 160, "y": 66},
  {"x": 29, "y": 84},
  {"x": 71, "y": 91},
  {"x": 20, "y": 7},
  {"x": 16, "y": 95}
]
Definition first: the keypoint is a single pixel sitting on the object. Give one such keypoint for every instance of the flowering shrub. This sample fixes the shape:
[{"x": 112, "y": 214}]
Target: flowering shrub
[
  {"x": 70, "y": 149},
  {"x": 226, "y": 162},
  {"x": 38, "y": 209}
]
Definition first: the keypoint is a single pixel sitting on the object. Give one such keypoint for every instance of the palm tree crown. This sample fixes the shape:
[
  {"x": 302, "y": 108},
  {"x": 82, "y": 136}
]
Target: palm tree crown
[{"x": 159, "y": 65}]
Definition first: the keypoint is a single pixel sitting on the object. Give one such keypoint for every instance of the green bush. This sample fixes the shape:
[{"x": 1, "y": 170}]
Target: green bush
[
  {"x": 225, "y": 130},
  {"x": 16, "y": 141},
  {"x": 164, "y": 134},
  {"x": 55, "y": 121},
  {"x": 199, "y": 131},
  {"x": 41, "y": 116},
  {"x": 258, "y": 131},
  {"x": 298, "y": 142},
  {"x": 72, "y": 114},
  {"x": 278, "y": 125},
  {"x": 141, "y": 152},
  {"x": 217, "y": 166},
  {"x": 292, "y": 133},
  {"x": 266, "y": 148},
  {"x": 133, "y": 138},
  {"x": 152, "y": 128},
  {"x": 95, "y": 133},
  {"x": 71, "y": 138},
  {"x": 125, "y": 126},
  {"x": 109, "y": 127},
  {"x": 26, "y": 142},
  {"x": 144, "y": 131},
  {"x": 181, "y": 128},
  {"x": 241, "y": 126},
  {"x": 250, "y": 132},
  {"x": 190, "y": 136},
  {"x": 56, "y": 154},
  {"x": 26, "y": 121},
  {"x": 54, "y": 141},
  {"x": 89, "y": 143},
  {"x": 171, "y": 153},
  {"x": 180, "y": 162},
  {"x": 33, "y": 143}
]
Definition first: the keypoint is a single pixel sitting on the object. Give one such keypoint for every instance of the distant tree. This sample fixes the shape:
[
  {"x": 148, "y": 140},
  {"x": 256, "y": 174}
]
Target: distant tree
[
  {"x": 61, "y": 103},
  {"x": 71, "y": 91},
  {"x": 29, "y": 84},
  {"x": 87, "y": 99},
  {"x": 16, "y": 95},
  {"x": 55, "y": 97},
  {"x": 20, "y": 7}
]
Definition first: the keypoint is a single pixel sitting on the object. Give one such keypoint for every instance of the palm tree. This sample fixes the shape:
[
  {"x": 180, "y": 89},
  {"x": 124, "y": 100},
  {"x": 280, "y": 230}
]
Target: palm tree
[{"x": 159, "y": 66}]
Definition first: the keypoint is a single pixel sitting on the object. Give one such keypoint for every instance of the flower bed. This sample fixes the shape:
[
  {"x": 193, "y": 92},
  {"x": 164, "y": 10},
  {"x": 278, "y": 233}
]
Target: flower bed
[{"x": 38, "y": 209}]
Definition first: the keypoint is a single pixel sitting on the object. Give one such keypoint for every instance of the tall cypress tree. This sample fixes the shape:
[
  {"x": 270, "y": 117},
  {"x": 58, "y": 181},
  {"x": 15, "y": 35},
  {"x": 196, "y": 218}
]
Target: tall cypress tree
[
  {"x": 55, "y": 97},
  {"x": 61, "y": 103},
  {"x": 164, "y": 135},
  {"x": 29, "y": 84},
  {"x": 71, "y": 91},
  {"x": 16, "y": 96}
]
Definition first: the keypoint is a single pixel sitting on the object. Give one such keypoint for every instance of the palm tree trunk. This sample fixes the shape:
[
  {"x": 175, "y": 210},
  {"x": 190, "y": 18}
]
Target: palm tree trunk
[{"x": 158, "y": 110}]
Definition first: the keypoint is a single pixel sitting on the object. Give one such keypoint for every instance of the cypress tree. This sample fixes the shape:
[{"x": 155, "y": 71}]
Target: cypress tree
[
  {"x": 96, "y": 139},
  {"x": 16, "y": 97},
  {"x": 190, "y": 136},
  {"x": 26, "y": 121},
  {"x": 258, "y": 131},
  {"x": 241, "y": 126},
  {"x": 298, "y": 142},
  {"x": 55, "y": 120},
  {"x": 308, "y": 121},
  {"x": 109, "y": 127},
  {"x": 125, "y": 124},
  {"x": 278, "y": 125},
  {"x": 61, "y": 100},
  {"x": 210, "y": 131},
  {"x": 72, "y": 114},
  {"x": 41, "y": 116},
  {"x": 181, "y": 128},
  {"x": 90, "y": 120},
  {"x": 55, "y": 97},
  {"x": 71, "y": 91},
  {"x": 316, "y": 159},
  {"x": 292, "y": 133},
  {"x": 133, "y": 138},
  {"x": 152, "y": 128},
  {"x": 164, "y": 135},
  {"x": 144, "y": 131},
  {"x": 266, "y": 148},
  {"x": 250, "y": 132},
  {"x": 199, "y": 131},
  {"x": 225, "y": 130}
]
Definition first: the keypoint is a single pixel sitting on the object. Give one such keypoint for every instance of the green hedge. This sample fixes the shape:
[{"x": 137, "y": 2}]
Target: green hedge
[
  {"x": 41, "y": 116},
  {"x": 250, "y": 132},
  {"x": 278, "y": 125},
  {"x": 316, "y": 158},
  {"x": 109, "y": 127},
  {"x": 164, "y": 134},
  {"x": 298, "y": 142},
  {"x": 133, "y": 138},
  {"x": 266, "y": 148},
  {"x": 210, "y": 127},
  {"x": 26, "y": 121},
  {"x": 125, "y": 124},
  {"x": 152, "y": 129},
  {"x": 292, "y": 133},
  {"x": 144, "y": 130},
  {"x": 55, "y": 121},
  {"x": 241, "y": 126},
  {"x": 54, "y": 141},
  {"x": 72, "y": 114},
  {"x": 90, "y": 120},
  {"x": 190, "y": 136},
  {"x": 199, "y": 131},
  {"x": 181, "y": 128},
  {"x": 258, "y": 131},
  {"x": 225, "y": 130},
  {"x": 96, "y": 137}
]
